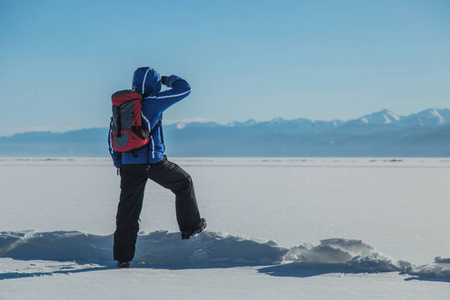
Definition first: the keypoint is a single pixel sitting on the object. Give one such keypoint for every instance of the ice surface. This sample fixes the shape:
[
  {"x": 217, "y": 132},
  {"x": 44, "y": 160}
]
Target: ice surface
[{"x": 344, "y": 228}]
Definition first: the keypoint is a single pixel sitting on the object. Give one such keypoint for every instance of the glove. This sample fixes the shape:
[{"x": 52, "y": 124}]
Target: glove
[{"x": 163, "y": 80}]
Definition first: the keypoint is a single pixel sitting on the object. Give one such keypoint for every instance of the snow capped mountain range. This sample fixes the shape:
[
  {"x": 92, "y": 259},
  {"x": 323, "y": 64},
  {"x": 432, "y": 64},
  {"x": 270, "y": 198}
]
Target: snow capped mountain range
[
  {"x": 382, "y": 117},
  {"x": 429, "y": 117},
  {"x": 382, "y": 133}
]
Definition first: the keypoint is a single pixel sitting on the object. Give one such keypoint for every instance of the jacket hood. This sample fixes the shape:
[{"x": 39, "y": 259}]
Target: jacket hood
[{"x": 146, "y": 81}]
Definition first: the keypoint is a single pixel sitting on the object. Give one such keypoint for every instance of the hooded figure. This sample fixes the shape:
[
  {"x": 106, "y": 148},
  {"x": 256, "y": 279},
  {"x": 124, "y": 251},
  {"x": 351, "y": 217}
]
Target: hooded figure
[
  {"x": 151, "y": 163},
  {"x": 147, "y": 82}
]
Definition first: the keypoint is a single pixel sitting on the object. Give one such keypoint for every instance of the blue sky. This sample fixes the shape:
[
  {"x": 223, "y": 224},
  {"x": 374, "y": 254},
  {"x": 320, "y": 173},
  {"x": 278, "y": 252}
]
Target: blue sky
[{"x": 61, "y": 60}]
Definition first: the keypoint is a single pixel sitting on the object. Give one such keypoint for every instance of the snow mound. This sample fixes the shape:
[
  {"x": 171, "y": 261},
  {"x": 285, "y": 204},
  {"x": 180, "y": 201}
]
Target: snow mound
[
  {"x": 160, "y": 247},
  {"x": 56, "y": 246},
  {"x": 209, "y": 249},
  {"x": 440, "y": 268},
  {"x": 349, "y": 253}
]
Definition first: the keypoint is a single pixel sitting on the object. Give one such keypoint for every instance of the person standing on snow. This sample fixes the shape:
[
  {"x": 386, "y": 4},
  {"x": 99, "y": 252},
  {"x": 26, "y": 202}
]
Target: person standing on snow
[{"x": 151, "y": 163}]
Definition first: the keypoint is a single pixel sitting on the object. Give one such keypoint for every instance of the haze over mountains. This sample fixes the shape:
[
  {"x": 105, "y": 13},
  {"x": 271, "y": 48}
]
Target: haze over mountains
[{"x": 382, "y": 133}]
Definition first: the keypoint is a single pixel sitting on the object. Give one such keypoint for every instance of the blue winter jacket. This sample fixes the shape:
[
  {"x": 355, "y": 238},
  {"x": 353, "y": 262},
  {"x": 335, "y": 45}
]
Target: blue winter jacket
[{"x": 147, "y": 82}]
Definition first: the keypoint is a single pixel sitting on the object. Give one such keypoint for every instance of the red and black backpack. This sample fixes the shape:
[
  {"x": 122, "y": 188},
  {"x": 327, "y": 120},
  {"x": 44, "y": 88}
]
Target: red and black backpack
[{"x": 128, "y": 133}]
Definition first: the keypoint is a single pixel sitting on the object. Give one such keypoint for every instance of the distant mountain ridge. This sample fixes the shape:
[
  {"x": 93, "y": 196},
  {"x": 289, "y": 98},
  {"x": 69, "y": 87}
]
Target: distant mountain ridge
[{"x": 382, "y": 133}]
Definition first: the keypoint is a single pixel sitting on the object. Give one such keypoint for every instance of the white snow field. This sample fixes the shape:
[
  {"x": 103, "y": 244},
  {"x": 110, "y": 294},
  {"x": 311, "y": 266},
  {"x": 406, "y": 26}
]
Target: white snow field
[{"x": 278, "y": 228}]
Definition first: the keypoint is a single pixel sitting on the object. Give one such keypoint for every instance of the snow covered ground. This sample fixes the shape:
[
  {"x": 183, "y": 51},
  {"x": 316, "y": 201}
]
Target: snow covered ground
[{"x": 288, "y": 228}]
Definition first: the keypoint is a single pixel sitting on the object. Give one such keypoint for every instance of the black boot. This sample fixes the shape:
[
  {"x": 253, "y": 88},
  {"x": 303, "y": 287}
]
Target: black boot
[
  {"x": 187, "y": 234},
  {"x": 123, "y": 264}
]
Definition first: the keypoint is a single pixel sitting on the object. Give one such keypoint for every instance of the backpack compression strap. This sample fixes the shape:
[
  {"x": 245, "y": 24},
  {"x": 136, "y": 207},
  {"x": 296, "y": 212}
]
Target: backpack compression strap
[{"x": 148, "y": 145}]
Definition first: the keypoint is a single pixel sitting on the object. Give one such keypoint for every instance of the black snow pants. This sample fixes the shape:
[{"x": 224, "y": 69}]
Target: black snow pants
[{"x": 132, "y": 185}]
